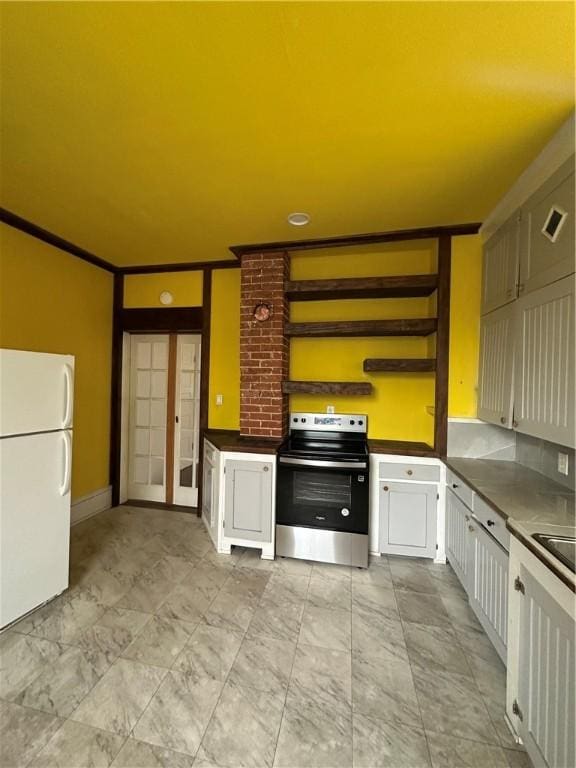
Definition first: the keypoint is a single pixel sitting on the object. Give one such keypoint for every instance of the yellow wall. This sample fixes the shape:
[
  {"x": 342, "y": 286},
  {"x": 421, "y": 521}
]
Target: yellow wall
[
  {"x": 145, "y": 290},
  {"x": 225, "y": 350},
  {"x": 53, "y": 302},
  {"x": 397, "y": 407}
]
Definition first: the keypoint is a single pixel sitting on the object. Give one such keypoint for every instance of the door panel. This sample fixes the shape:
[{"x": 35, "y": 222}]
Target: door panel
[
  {"x": 187, "y": 432},
  {"x": 148, "y": 402},
  {"x": 408, "y": 519},
  {"x": 496, "y": 374},
  {"x": 248, "y": 506},
  {"x": 500, "y": 266}
]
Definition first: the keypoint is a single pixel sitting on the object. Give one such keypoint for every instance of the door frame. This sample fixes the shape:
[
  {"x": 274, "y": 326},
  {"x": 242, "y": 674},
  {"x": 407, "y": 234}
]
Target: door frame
[{"x": 155, "y": 320}]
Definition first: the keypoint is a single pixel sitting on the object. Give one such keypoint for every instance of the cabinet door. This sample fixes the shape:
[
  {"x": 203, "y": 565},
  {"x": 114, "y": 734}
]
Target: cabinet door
[
  {"x": 488, "y": 585},
  {"x": 408, "y": 519},
  {"x": 544, "y": 370},
  {"x": 546, "y": 253},
  {"x": 457, "y": 522},
  {"x": 496, "y": 370},
  {"x": 546, "y": 677},
  {"x": 248, "y": 505},
  {"x": 500, "y": 266},
  {"x": 208, "y": 492}
]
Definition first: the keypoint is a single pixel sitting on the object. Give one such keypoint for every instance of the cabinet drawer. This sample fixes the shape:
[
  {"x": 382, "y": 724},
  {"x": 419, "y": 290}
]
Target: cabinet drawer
[
  {"x": 426, "y": 472},
  {"x": 460, "y": 488},
  {"x": 492, "y": 521},
  {"x": 210, "y": 452}
]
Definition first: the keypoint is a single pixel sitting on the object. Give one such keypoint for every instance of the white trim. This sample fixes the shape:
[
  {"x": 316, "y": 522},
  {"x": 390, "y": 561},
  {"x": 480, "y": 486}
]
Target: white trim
[
  {"x": 554, "y": 154},
  {"x": 90, "y": 505},
  {"x": 465, "y": 420}
]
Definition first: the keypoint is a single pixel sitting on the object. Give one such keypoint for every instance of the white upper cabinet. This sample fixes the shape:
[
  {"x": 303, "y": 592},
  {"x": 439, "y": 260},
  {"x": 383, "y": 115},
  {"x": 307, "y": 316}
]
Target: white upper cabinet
[
  {"x": 500, "y": 266},
  {"x": 544, "y": 368},
  {"x": 547, "y": 232},
  {"x": 495, "y": 376}
]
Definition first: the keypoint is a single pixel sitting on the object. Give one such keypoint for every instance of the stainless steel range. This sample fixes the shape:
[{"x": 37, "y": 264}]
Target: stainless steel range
[{"x": 322, "y": 489}]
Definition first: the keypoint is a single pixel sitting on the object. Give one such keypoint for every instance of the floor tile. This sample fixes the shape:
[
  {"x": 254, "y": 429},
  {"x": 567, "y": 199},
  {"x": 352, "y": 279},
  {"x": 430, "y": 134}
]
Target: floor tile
[
  {"x": 376, "y": 635},
  {"x": 460, "y": 613},
  {"x": 138, "y": 754},
  {"x": 322, "y": 673},
  {"x": 422, "y": 609},
  {"x": 314, "y": 734},
  {"x": 412, "y": 578},
  {"x": 376, "y": 575},
  {"x": 160, "y": 641},
  {"x": 119, "y": 698},
  {"x": 516, "y": 759},
  {"x": 187, "y": 604},
  {"x": 497, "y": 715},
  {"x": 449, "y": 752},
  {"x": 22, "y": 658},
  {"x": 256, "y": 716},
  {"x": 62, "y": 685},
  {"x": 451, "y": 704},
  {"x": 329, "y": 593},
  {"x": 246, "y": 582},
  {"x": 230, "y": 612},
  {"x": 330, "y": 571},
  {"x": 70, "y": 619},
  {"x": 383, "y": 744},
  {"x": 79, "y": 746},
  {"x": 23, "y": 733},
  {"x": 264, "y": 663},
  {"x": 278, "y": 621},
  {"x": 147, "y": 594},
  {"x": 209, "y": 653},
  {"x": 374, "y": 600},
  {"x": 326, "y": 628},
  {"x": 252, "y": 558},
  {"x": 178, "y": 714},
  {"x": 294, "y": 567},
  {"x": 384, "y": 689},
  {"x": 111, "y": 634},
  {"x": 206, "y": 574},
  {"x": 285, "y": 588},
  {"x": 433, "y": 647}
]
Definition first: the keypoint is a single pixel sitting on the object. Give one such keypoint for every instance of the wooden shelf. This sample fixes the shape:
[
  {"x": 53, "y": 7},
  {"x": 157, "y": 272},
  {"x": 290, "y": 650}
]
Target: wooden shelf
[
  {"x": 403, "y": 365},
  {"x": 327, "y": 387},
  {"x": 408, "y": 327},
  {"x": 400, "y": 286}
]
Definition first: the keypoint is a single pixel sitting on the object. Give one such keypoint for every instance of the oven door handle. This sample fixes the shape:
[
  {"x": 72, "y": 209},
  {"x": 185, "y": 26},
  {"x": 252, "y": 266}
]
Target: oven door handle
[{"x": 322, "y": 463}]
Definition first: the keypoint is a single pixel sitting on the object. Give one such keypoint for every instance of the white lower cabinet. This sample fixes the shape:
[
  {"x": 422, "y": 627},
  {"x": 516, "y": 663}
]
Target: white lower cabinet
[
  {"x": 408, "y": 519},
  {"x": 540, "y": 686},
  {"x": 238, "y": 499},
  {"x": 457, "y": 522},
  {"x": 487, "y": 565}
]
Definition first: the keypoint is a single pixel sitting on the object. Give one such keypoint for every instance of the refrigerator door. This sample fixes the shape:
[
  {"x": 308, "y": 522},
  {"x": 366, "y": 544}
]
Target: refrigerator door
[
  {"x": 36, "y": 392},
  {"x": 34, "y": 520}
]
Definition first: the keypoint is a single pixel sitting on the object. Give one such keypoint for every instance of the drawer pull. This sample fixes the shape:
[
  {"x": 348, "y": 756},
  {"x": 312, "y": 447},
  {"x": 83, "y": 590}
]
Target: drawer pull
[
  {"x": 408, "y": 471},
  {"x": 490, "y": 523}
]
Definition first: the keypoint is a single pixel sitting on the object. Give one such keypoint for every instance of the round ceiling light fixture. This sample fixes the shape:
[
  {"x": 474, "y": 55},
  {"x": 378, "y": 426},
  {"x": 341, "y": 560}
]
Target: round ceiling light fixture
[{"x": 298, "y": 219}]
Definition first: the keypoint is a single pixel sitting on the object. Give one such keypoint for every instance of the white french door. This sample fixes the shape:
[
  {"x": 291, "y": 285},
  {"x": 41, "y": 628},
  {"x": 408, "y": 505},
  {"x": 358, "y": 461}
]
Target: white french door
[
  {"x": 187, "y": 416},
  {"x": 148, "y": 415},
  {"x": 164, "y": 418}
]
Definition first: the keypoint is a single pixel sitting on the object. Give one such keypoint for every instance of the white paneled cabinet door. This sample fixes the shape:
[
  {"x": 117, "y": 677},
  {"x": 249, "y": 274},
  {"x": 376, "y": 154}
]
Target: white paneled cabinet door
[
  {"x": 248, "y": 505},
  {"x": 547, "y": 232},
  {"x": 457, "y": 521},
  {"x": 500, "y": 266},
  {"x": 488, "y": 585},
  {"x": 544, "y": 370},
  {"x": 186, "y": 433},
  {"x": 496, "y": 374},
  {"x": 148, "y": 402},
  {"x": 408, "y": 519},
  {"x": 545, "y": 705}
]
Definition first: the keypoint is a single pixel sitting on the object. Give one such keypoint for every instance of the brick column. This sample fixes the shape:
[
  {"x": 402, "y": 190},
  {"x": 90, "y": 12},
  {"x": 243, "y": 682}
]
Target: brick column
[{"x": 263, "y": 347}]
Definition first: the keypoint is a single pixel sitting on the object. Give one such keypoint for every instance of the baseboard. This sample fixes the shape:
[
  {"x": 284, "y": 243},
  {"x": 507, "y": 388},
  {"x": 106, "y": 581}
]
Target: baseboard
[{"x": 90, "y": 505}]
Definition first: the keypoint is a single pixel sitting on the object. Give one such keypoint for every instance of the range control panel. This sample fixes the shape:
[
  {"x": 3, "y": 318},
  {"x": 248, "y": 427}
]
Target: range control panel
[{"x": 329, "y": 422}]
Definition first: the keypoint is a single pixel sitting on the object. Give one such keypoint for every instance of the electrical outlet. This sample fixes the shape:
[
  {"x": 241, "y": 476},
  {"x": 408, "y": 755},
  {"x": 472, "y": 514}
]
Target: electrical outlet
[
  {"x": 219, "y": 399},
  {"x": 330, "y": 409},
  {"x": 563, "y": 463}
]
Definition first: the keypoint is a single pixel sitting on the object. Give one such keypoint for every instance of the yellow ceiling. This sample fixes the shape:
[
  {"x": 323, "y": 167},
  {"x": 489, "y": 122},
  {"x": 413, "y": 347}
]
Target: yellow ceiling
[{"x": 165, "y": 132}]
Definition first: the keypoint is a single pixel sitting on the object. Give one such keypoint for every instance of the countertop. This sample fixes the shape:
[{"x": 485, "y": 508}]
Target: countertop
[
  {"x": 528, "y": 501},
  {"x": 231, "y": 440}
]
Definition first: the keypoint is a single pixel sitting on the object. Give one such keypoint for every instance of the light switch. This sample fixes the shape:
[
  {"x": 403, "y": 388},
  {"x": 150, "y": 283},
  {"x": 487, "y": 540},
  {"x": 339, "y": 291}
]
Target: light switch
[{"x": 219, "y": 399}]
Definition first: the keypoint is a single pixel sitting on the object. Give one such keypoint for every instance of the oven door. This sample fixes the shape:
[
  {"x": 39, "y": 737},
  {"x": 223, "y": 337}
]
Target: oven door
[{"x": 317, "y": 493}]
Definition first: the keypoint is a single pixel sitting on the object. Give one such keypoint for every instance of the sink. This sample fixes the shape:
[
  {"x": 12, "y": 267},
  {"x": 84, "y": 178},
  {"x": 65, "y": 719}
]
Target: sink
[{"x": 562, "y": 547}]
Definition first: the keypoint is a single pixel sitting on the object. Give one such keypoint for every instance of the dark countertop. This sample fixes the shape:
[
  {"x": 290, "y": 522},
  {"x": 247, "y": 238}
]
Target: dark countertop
[
  {"x": 401, "y": 448},
  {"x": 231, "y": 440},
  {"x": 528, "y": 501}
]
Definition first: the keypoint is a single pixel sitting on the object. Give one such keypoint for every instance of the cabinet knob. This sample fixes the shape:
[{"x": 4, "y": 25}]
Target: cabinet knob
[
  {"x": 490, "y": 523},
  {"x": 514, "y": 423},
  {"x": 454, "y": 485},
  {"x": 502, "y": 419},
  {"x": 265, "y": 469},
  {"x": 467, "y": 518},
  {"x": 384, "y": 487},
  {"x": 409, "y": 472},
  {"x": 471, "y": 528}
]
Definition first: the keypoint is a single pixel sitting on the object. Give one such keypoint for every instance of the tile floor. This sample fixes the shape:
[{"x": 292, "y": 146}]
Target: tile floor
[{"x": 163, "y": 653}]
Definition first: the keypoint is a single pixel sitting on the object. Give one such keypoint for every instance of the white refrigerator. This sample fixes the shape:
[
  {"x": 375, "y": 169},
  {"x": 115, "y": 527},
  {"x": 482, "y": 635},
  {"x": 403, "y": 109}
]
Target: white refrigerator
[{"x": 36, "y": 410}]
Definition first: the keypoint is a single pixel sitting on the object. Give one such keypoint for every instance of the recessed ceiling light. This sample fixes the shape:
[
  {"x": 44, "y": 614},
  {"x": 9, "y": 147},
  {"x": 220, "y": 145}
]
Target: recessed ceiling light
[{"x": 298, "y": 219}]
